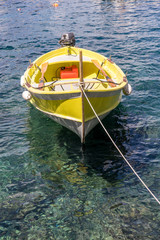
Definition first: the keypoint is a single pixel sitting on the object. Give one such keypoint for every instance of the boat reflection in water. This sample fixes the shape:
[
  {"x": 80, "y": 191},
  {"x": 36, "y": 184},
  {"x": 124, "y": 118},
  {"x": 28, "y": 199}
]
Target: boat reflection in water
[{"x": 55, "y": 151}]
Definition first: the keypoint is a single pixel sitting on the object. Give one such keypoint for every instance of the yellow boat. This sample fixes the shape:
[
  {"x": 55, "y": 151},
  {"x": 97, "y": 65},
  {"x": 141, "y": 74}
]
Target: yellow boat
[{"x": 56, "y": 81}]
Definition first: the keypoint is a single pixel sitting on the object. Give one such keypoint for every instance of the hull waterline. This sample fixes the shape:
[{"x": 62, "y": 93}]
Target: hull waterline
[{"x": 76, "y": 126}]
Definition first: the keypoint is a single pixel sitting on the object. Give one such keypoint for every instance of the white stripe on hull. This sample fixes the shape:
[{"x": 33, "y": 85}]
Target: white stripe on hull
[
  {"x": 66, "y": 96},
  {"x": 75, "y": 126}
]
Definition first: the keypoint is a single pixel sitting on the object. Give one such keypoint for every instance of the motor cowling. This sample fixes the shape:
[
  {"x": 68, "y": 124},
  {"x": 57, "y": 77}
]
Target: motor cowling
[{"x": 67, "y": 39}]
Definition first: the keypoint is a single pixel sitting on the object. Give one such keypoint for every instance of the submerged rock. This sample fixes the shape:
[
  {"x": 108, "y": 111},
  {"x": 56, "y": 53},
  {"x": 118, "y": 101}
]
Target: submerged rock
[{"x": 18, "y": 205}]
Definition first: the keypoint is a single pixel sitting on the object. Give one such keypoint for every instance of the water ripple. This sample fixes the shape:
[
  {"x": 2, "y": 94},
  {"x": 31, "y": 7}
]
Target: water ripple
[{"x": 50, "y": 187}]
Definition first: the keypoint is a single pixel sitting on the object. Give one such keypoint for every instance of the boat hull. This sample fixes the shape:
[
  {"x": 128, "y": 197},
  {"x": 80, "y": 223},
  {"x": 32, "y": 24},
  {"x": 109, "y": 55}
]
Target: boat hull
[
  {"x": 60, "y": 96},
  {"x": 66, "y": 109}
]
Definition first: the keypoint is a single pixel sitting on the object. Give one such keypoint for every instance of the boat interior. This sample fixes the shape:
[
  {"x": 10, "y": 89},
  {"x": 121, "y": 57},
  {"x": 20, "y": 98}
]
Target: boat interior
[{"x": 63, "y": 74}]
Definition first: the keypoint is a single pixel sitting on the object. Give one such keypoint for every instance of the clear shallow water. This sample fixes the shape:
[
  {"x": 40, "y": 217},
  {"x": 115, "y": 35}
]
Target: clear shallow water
[{"x": 50, "y": 188}]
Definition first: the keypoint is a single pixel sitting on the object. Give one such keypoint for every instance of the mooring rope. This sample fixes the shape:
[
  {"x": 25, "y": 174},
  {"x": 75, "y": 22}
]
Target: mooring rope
[{"x": 119, "y": 149}]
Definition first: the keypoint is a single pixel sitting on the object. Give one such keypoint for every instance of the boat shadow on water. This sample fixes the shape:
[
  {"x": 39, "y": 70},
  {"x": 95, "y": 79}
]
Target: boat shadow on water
[
  {"x": 80, "y": 184},
  {"x": 57, "y": 146}
]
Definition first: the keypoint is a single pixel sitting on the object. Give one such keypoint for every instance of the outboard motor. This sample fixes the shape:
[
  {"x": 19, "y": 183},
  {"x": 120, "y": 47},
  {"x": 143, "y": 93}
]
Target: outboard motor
[{"x": 67, "y": 39}]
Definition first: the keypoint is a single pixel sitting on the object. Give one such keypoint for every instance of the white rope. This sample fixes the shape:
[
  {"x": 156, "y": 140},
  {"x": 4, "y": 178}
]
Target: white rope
[{"x": 118, "y": 148}]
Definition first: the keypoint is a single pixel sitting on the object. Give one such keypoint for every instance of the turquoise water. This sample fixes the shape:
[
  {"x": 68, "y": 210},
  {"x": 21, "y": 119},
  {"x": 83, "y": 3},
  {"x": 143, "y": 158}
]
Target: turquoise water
[{"x": 50, "y": 187}]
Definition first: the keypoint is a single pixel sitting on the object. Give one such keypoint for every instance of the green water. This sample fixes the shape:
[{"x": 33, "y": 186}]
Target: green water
[{"x": 50, "y": 187}]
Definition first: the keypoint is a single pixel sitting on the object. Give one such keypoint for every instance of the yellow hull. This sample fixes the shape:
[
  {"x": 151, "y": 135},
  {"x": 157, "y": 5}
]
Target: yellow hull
[
  {"x": 61, "y": 99},
  {"x": 68, "y": 112}
]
